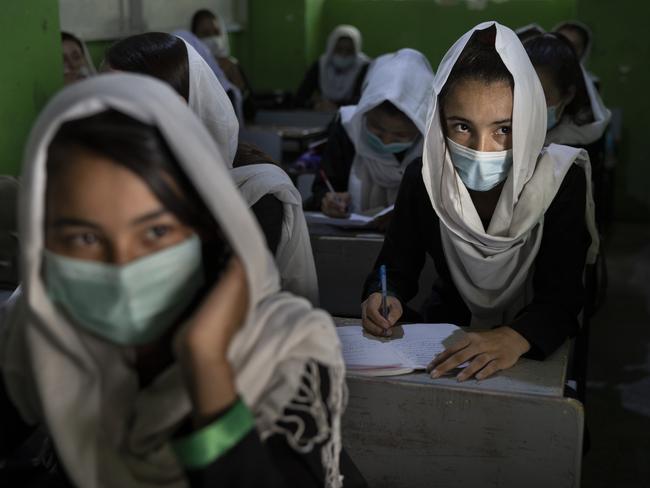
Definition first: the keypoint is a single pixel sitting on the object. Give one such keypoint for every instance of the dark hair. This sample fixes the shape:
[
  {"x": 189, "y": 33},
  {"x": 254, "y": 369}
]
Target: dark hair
[
  {"x": 141, "y": 149},
  {"x": 581, "y": 30},
  {"x": 199, "y": 15},
  {"x": 156, "y": 54},
  {"x": 248, "y": 154},
  {"x": 554, "y": 54},
  {"x": 479, "y": 61},
  {"x": 66, "y": 36},
  {"x": 528, "y": 32},
  {"x": 391, "y": 110}
]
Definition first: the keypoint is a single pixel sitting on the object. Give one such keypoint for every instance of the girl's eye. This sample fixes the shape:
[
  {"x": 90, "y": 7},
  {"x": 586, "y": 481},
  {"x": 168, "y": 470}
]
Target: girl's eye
[
  {"x": 462, "y": 127},
  {"x": 504, "y": 130},
  {"x": 84, "y": 239},
  {"x": 157, "y": 232}
]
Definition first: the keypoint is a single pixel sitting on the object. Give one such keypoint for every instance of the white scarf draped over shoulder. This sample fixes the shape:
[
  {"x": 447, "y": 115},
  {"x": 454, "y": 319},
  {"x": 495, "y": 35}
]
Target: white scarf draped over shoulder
[
  {"x": 569, "y": 133},
  {"x": 335, "y": 84},
  {"x": 198, "y": 47},
  {"x": 294, "y": 256},
  {"x": 492, "y": 269},
  {"x": 107, "y": 431},
  {"x": 405, "y": 79}
]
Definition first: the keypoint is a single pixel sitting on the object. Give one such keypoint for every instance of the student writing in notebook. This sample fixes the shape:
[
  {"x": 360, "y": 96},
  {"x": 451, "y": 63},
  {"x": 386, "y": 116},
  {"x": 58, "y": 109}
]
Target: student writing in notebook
[
  {"x": 508, "y": 224},
  {"x": 371, "y": 144}
]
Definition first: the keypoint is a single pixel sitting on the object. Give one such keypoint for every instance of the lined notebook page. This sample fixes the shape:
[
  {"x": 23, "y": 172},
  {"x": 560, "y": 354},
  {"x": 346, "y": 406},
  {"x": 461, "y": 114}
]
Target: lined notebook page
[{"x": 421, "y": 342}]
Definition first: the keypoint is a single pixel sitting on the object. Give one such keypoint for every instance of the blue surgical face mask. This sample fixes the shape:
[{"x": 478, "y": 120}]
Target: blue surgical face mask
[
  {"x": 378, "y": 145},
  {"x": 342, "y": 62},
  {"x": 131, "y": 304},
  {"x": 480, "y": 171},
  {"x": 552, "y": 116}
]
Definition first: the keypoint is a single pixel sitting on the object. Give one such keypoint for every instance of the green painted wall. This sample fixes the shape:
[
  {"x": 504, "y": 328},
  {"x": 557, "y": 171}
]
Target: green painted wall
[
  {"x": 620, "y": 58},
  {"x": 31, "y": 71},
  {"x": 388, "y": 25}
]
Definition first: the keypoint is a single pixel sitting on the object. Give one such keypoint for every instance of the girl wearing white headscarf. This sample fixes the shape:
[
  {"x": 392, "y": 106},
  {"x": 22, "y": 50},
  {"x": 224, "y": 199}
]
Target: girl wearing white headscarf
[
  {"x": 371, "y": 144},
  {"x": 77, "y": 63},
  {"x": 211, "y": 29},
  {"x": 509, "y": 224},
  {"x": 267, "y": 189},
  {"x": 336, "y": 78},
  {"x": 576, "y": 115},
  {"x": 180, "y": 363}
]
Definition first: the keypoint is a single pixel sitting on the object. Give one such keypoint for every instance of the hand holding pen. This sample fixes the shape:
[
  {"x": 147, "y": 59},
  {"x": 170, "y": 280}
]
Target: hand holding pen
[
  {"x": 381, "y": 311},
  {"x": 334, "y": 204}
]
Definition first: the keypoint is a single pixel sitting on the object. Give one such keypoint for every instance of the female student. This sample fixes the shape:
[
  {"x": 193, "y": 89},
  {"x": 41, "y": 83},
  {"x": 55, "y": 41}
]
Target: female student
[
  {"x": 234, "y": 94},
  {"x": 336, "y": 78},
  {"x": 77, "y": 63},
  {"x": 580, "y": 37},
  {"x": 507, "y": 223},
  {"x": 576, "y": 115},
  {"x": 372, "y": 143},
  {"x": 267, "y": 189},
  {"x": 211, "y": 29},
  {"x": 151, "y": 339}
]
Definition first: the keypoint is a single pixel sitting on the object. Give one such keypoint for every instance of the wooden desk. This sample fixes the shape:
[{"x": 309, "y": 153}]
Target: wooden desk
[
  {"x": 513, "y": 430},
  {"x": 343, "y": 260}
]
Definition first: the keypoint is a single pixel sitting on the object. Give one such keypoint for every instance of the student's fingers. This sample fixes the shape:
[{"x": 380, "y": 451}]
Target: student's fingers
[
  {"x": 332, "y": 207},
  {"x": 394, "y": 310},
  {"x": 369, "y": 325},
  {"x": 478, "y": 363},
  {"x": 451, "y": 350},
  {"x": 455, "y": 360},
  {"x": 372, "y": 314},
  {"x": 492, "y": 368}
]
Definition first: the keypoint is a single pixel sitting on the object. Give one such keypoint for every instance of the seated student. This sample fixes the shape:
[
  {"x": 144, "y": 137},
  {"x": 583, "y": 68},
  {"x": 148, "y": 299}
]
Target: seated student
[
  {"x": 580, "y": 37},
  {"x": 576, "y": 115},
  {"x": 231, "y": 90},
  {"x": 336, "y": 78},
  {"x": 371, "y": 144},
  {"x": 212, "y": 31},
  {"x": 77, "y": 63},
  {"x": 268, "y": 190},
  {"x": 502, "y": 218},
  {"x": 151, "y": 339}
]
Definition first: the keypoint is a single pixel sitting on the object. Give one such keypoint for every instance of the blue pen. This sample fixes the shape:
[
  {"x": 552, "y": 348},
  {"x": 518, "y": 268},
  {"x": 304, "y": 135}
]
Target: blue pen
[{"x": 384, "y": 291}]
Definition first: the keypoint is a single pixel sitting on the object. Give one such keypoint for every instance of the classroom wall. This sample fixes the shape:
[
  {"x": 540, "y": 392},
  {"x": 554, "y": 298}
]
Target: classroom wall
[
  {"x": 31, "y": 71},
  {"x": 620, "y": 58}
]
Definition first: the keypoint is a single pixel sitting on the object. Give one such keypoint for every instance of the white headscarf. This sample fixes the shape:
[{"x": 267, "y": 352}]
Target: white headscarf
[
  {"x": 107, "y": 431},
  {"x": 209, "y": 101},
  {"x": 493, "y": 269},
  {"x": 405, "y": 79},
  {"x": 338, "y": 85},
  {"x": 90, "y": 65},
  {"x": 568, "y": 132},
  {"x": 294, "y": 255}
]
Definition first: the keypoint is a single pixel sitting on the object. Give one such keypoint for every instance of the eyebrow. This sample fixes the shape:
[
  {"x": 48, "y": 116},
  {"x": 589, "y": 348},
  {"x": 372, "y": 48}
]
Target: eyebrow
[
  {"x": 75, "y": 222},
  {"x": 462, "y": 119}
]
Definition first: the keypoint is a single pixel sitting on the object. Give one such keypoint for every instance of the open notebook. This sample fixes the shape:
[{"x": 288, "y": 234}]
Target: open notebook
[
  {"x": 415, "y": 350},
  {"x": 353, "y": 221}
]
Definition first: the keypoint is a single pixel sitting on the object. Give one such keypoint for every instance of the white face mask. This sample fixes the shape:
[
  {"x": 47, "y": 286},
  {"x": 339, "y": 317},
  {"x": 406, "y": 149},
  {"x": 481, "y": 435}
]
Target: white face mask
[
  {"x": 217, "y": 45},
  {"x": 479, "y": 170},
  {"x": 342, "y": 62}
]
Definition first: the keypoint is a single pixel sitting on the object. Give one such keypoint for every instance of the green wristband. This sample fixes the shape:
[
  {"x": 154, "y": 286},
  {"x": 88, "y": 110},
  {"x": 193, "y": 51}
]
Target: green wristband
[{"x": 204, "y": 446}]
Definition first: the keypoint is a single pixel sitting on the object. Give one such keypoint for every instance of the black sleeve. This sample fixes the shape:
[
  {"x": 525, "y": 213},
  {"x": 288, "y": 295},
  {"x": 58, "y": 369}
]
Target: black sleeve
[
  {"x": 269, "y": 213},
  {"x": 308, "y": 86},
  {"x": 404, "y": 248},
  {"x": 558, "y": 291},
  {"x": 359, "y": 84},
  {"x": 274, "y": 463},
  {"x": 13, "y": 430},
  {"x": 336, "y": 163}
]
